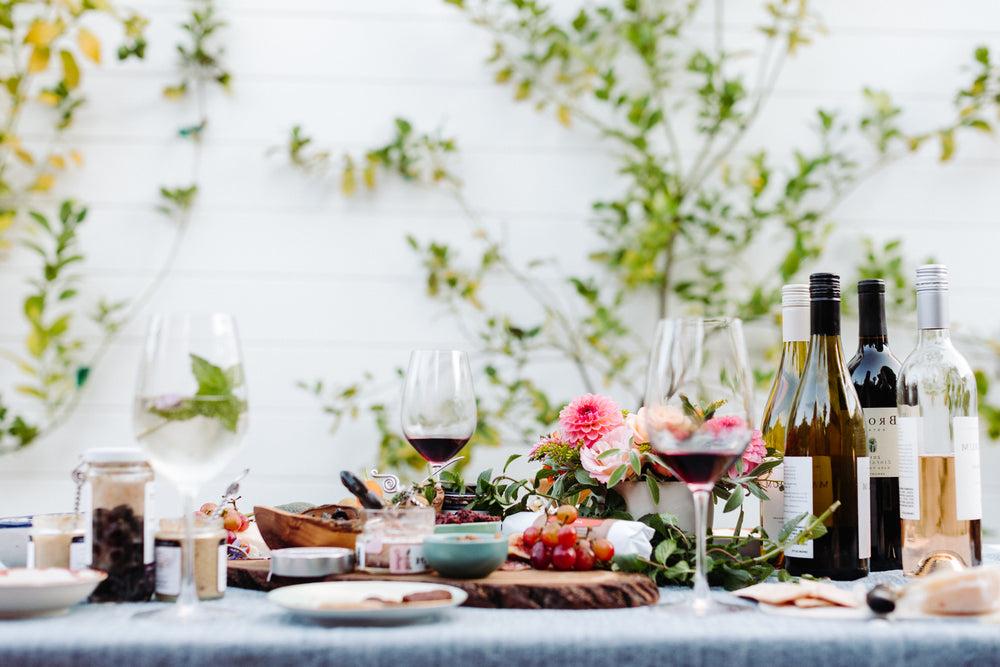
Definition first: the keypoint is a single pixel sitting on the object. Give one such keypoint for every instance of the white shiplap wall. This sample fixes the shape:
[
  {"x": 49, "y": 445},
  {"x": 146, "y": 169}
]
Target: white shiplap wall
[{"x": 324, "y": 286}]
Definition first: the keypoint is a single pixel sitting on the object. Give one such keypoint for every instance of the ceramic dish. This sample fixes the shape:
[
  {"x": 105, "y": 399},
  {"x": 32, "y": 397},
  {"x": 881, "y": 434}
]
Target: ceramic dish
[
  {"x": 14, "y": 532},
  {"x": 465, "y": 555},
  {"x": 480, "y": 527},
  {"x": 48, "y": 591},
  {"x": 344, "y": 600}
]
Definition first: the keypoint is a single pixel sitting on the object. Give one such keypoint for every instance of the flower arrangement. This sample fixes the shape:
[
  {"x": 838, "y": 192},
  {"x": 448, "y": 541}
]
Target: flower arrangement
[{"x": 598, "y": 445}]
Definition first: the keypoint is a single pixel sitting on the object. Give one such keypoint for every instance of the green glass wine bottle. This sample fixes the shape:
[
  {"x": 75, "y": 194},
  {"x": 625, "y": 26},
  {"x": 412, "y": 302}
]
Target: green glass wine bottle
[{"x": 826, "y": 459}]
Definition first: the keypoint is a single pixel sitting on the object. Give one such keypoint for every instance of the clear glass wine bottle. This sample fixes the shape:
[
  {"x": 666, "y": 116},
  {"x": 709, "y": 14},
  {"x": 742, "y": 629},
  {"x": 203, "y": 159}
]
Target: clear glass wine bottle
[{"x": 940, "y": 494}]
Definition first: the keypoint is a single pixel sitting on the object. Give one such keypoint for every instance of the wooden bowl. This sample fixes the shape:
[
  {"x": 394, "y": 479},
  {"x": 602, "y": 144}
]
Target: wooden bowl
[{"x": 281, "y": 529}]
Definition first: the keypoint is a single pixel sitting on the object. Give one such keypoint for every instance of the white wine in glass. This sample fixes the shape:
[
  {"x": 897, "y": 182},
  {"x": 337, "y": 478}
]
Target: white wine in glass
[{"x": 190, "y": 415}]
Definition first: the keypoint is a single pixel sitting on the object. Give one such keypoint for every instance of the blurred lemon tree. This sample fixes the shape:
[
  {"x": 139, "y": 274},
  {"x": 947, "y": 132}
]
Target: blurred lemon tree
[
  {"x": 48, "y": 46},
  {"x": 681, "y": 230}
]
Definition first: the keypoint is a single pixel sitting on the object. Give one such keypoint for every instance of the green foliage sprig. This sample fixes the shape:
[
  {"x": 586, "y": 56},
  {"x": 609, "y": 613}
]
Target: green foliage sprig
[
  {"x": 672, "y": 559},
  {"x": 215, "y": 397},
  {"x": 726, "y": 562},
  {"x": 59, "y": 28}
]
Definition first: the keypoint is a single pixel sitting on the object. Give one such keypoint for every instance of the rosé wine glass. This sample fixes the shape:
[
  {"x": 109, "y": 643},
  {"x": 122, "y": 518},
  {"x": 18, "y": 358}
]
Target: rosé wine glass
[{"x": 698, "y": 402}]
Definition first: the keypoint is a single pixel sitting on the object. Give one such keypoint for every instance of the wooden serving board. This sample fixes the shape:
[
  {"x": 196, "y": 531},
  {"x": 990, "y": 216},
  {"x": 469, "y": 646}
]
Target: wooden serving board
[{"x": 522, "y": 589}]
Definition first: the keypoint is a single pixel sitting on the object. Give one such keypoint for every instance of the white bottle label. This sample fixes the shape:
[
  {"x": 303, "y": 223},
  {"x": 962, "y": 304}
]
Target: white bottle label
[
  {"x": 168, "y": 570},
  {"x": 223, "y": 565},
  {"x": 149, "y": 526},
  {"x": 864, "y": 508},
  {"x": 907, "y": 430},
  {"x": 968, "y": 482},
  {"x": 798, "y": 498},
  {"x": 79, "y": 557},
  {"x": 882, "y": 441},
  {"x": 772, "y": 510}
]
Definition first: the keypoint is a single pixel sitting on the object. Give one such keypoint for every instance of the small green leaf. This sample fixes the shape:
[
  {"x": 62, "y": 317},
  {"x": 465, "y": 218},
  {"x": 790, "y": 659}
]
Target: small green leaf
[
  {"x": 617, "y": 476},
  {"x": 654, "y": 489}
]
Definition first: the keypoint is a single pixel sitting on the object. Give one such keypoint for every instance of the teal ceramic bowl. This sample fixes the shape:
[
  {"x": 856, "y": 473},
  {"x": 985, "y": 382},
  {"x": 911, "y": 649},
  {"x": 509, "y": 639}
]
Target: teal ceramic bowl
[
  {"x": 465, "y": 555},
  {"x": 478, "y": 527}
]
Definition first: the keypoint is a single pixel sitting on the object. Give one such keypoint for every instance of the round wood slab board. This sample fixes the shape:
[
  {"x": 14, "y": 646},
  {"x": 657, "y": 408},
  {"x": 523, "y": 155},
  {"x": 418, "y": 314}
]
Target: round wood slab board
[{"x": 522, "y": 589}]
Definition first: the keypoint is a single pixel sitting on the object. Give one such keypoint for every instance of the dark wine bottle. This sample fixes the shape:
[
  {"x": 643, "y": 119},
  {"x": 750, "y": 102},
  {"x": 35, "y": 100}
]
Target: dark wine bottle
[
  {"x": 826, "y": 459},
  {"x": 874, "y": 371}
]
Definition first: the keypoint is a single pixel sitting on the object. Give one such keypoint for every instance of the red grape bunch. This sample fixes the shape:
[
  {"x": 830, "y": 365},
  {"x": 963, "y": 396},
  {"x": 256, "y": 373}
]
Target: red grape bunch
[{"x": 560, "y": 545}]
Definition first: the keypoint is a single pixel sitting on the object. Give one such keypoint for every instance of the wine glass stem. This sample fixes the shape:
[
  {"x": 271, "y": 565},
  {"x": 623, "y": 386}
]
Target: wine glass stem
[
  {"x": 188, "y": 597},
  {"x": 702, "y": 596}
]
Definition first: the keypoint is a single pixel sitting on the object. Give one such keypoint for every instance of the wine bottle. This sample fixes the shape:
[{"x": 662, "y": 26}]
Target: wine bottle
[
  {"x": 940, "y": 496},
  {"x": 774, "y": 424},
  {"x": 874, "y": 370},
  {"x": 826, "y": 460}
]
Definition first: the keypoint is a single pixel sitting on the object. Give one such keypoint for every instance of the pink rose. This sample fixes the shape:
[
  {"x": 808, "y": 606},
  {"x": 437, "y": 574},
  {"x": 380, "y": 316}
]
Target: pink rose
[
  {"x": 601, "y": 468},
  {"x": 753, "y": 455},
  {"x": 636, "y": 421},
  {"x": 665, "y": 419}
]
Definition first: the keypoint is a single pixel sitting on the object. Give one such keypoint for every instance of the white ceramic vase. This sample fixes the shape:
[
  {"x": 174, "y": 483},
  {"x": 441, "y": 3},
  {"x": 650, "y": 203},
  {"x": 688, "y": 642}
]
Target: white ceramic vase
[{"x": 674, "y": 499}]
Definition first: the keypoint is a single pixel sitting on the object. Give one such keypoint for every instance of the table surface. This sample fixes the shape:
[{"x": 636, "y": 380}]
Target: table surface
[{"x": 259, "y": 633}]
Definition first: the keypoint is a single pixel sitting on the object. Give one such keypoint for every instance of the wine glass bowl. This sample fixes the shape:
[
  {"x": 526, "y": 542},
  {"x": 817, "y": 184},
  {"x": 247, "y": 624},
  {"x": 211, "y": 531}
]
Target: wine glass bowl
[
  {"x": 190, "y": 413},
  {"x": 439, "y": 404},
  {"x": 697, "y": 411}
]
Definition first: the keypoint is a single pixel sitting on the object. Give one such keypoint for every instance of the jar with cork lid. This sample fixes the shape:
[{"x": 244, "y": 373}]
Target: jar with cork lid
[{"x": 117, "y": 491}]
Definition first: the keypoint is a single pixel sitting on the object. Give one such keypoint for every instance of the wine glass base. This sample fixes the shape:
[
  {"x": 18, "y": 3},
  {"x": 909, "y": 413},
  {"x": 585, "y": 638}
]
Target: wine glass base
[
  {"x": 717, "y": 603},
  {"x": 174, "y": 613}
]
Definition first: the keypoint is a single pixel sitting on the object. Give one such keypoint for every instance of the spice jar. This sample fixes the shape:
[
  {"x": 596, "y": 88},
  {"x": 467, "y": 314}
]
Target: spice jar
[
  {"x": 210, "y": 557},
  {"x": 117, "y": 482},
  {"x": 392, "y": 540},
  {"x": 56, "y": 540}
]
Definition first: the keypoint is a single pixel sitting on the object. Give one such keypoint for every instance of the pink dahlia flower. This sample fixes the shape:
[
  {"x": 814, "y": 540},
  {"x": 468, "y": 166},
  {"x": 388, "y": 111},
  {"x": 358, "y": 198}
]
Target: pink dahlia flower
[
  {"x": 601, "y": 468},
  {"x": 588, "y": 419}
]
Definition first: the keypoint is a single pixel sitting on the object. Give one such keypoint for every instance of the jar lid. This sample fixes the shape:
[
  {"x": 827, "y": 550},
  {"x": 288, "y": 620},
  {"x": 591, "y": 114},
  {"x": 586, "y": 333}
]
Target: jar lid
[
  {"x": 311, "y": 561},
  {"x": 115, "y": 455}
]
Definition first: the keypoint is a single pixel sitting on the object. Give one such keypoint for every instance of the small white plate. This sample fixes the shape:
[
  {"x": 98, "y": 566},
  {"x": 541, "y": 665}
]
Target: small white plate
[
  {"x": 312, "y": 599},
  {"x": 28, "y": 592}
]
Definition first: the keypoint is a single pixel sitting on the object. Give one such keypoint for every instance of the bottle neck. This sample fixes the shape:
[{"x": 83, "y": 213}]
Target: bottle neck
[
  {"x": 932, "y": 310},
  {"x": 931, "y": 336},
  {"x": 824, "y": 318},
  {"x": 871, "y": 319},
  {"x": 794, "y": 323}
]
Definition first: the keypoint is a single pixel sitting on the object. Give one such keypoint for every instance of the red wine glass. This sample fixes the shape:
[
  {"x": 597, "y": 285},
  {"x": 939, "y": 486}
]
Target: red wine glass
[
  {"x": 699, "y": 398},
  {"x": 439, "y": 404}
]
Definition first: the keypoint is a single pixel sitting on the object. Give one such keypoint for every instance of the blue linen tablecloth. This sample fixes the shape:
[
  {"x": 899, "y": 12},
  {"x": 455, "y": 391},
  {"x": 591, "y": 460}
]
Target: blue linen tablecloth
[{"x": 258, "y": 633}]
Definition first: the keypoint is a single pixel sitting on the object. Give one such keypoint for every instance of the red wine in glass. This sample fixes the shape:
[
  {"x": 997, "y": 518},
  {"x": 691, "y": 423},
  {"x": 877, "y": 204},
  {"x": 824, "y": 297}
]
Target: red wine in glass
[
  {"x": 438, "y": 450},
  {"x": 698, "y": 469}
]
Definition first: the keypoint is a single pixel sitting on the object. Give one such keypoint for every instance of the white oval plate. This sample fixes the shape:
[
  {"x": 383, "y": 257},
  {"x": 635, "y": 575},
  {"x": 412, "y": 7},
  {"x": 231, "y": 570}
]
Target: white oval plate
[
  {"x": 310, "y": 600},
  {"x": 25, "y": 592}
]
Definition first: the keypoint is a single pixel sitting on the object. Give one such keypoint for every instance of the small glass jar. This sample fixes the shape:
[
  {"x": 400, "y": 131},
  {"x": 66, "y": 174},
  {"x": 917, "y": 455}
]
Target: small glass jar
[
  {"x": 210, "y": 558},
  {"x": 392, "y": 540},
  {"x": 56, "y": 540},
  {"x": 120, "y": 530}
]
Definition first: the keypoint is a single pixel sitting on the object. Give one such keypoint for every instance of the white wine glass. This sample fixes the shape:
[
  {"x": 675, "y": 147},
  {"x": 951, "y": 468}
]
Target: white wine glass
[
  {"x": 439, "y": 404},
  {"x": 698, "y": 407},
  {"x": 190, "y": 415}
]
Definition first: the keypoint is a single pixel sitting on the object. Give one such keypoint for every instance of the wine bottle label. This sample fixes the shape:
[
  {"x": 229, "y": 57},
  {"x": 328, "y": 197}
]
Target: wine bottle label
[
  {"x": 223, "y": 566},
  {"x": 168, "y": 569},
  {"x": 798, "y": 475},
  {"x": 883, "y": 445},
  {"x": 864, "y": 508},
  {"x": 907, "y": 429},
  {"x": 968, "y": 482},
  {"x": 772, "y": 510}
]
